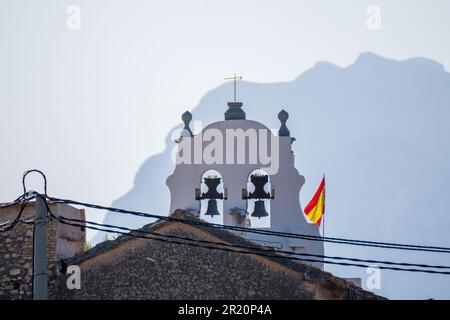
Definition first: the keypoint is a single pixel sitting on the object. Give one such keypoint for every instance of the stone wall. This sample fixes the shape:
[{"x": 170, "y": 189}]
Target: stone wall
[
  {"x": 16, "y": 250},
  {"x": 16, "y": 263}
]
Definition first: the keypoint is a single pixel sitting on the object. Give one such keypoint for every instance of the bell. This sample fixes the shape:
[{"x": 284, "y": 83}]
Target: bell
[
  {"x": 212, "y": 208},
  {"x": 260, "y": 209}
]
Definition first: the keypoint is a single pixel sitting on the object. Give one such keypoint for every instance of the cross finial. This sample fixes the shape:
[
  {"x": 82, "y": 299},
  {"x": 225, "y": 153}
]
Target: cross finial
[{"x": 234, "y": 78}]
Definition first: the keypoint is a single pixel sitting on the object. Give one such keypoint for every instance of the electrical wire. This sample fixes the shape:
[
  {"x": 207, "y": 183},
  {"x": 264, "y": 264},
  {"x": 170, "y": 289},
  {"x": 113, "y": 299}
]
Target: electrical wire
[
  {"x": 195, "y": 243},
  {"x": 23, "y": 200},
  {"x": 9, "y": 225},
  {"x": 26, "y": 173},
  {"x": 141, "y": 231},
  {"x": 249, "y": 249},
  {"x": 389, "y": 265},
  {"x": 363, "y": 243},
  {"x": 355, "y": 242}
]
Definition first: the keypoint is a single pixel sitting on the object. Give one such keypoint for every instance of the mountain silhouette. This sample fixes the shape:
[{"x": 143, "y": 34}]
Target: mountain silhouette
[{"x": 379, "y": 131}]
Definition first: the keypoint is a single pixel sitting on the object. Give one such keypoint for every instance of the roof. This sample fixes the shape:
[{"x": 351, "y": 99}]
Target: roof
[{"x": 309, "y": 272}]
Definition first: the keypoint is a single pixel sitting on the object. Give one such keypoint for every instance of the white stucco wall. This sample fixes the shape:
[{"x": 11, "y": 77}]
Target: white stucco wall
[{"x": 286, "y": 212}]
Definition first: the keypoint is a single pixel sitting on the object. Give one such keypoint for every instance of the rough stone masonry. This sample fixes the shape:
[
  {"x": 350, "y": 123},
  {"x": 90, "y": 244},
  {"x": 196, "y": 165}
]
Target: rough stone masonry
[{"x": 16, "y": 249}]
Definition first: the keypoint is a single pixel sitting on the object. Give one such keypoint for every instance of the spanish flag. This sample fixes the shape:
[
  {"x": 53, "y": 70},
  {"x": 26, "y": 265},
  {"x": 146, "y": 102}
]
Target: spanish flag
[{"x": 316, "y": 207}]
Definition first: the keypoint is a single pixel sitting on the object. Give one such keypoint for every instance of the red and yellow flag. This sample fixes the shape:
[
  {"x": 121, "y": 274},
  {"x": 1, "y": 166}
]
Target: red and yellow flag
[{"x": 316, "y": 207}]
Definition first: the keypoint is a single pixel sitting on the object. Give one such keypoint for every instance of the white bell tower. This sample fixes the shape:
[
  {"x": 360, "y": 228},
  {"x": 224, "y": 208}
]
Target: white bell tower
[{"x": 237, "y": 172}]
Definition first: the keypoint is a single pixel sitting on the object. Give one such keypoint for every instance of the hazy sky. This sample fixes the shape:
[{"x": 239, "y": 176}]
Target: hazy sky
[{"x": 89, "y": 105}]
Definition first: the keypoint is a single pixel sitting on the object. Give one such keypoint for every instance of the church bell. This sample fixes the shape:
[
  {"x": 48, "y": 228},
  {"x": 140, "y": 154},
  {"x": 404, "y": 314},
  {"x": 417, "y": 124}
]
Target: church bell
[
  {"x": 211, "y": 210},
  {"x": 260, "y": 209}
]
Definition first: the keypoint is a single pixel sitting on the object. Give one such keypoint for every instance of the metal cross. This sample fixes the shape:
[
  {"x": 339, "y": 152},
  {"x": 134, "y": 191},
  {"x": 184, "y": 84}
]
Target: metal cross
[{"x": 234, "y": 78}]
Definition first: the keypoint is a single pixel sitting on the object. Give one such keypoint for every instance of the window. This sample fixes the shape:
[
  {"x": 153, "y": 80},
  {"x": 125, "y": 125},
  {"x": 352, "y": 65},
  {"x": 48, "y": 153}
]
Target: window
[
  {"x": 211, "y": 196},
  {"x": 259, "y": 194}
]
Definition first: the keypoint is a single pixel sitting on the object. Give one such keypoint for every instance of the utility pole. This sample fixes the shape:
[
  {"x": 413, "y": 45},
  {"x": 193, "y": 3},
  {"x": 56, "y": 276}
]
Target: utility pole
[{"x": 40, "y": 285}]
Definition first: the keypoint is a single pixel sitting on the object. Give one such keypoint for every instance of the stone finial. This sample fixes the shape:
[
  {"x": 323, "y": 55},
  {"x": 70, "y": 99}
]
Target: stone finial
[
  {"x": 186, "y": 117},
  {"x": 283, "y": 116},
  {"x": 235, "y": 111}
]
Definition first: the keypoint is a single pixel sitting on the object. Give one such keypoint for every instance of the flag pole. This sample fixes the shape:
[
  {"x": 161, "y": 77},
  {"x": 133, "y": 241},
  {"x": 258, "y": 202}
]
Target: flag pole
[
  {"x": 324, "y": 201},
  {"x": 323, "y": 226}
]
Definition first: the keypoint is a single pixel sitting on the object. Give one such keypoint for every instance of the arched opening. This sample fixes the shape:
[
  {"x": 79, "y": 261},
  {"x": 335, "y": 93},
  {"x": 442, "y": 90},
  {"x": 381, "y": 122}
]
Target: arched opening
[
  {"x": 212, "y": 195},
  {"x": 259, "y": 194}
]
